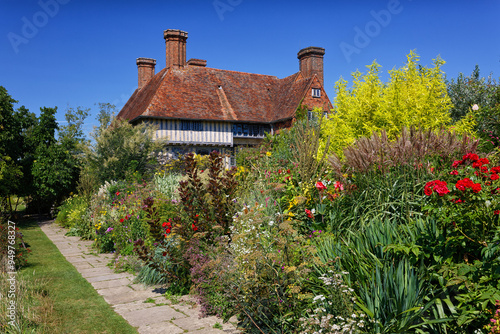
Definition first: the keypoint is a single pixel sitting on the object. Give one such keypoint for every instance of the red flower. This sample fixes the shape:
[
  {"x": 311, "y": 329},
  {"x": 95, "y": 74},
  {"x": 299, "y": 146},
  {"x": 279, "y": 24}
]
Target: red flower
[
  {"x": 117, "y": 193},
  {"x": 288, "y": 171},
  {"x": 164, "y": 253},
  {"x": 476, "y": 164},
  {"x": 122, "y": 220},
  {"x": 309, "y": 214},
  {"x": 164, "y": 224},
  {"x": 464, "y": 184},
  {"x": 456, "y": 163},
  {"x": 471, "y": 156},
  {"x": 467, "y": 183},
  {"x": 320, "y": 186},
  {"x": 454, "y": 172},
  {"x": 168, "y": 231},
  {"x": 495, "y": 169},
  {"x": 494, "y": 177},
  {"x": 496, "y": 212},
  {"x": 441, "y": 187},
  {"x": 194, "y": 228},
  {"x": 428, "y": 190}
]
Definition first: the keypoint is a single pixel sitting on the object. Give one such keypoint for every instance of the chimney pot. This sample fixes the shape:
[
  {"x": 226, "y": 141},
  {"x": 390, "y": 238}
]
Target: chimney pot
[
  {"x": 146, "y": 70},
  {"x": 311, "y": 62},
  {"x": 197, "y": 62},
  {"x": 175, "y": 45}
]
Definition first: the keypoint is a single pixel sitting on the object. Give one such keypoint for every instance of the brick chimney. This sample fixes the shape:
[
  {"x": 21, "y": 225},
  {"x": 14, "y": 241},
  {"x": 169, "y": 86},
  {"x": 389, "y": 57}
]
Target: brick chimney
[
  {"x": 311, "y": 62},
  {"x": 175, "y": 45},
  {"x": 146, "y": 70}
]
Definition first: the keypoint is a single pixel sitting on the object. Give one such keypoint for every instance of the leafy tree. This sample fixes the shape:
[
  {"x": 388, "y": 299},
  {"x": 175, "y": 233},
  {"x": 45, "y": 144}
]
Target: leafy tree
[
  {"x": 8, "y": 126},
  {"x": 415, "y": 96},
  {"x": 466, "y": 91},
  {"x": 56, "y": 167},
  {"x": 10, "y": 171},
  {"x": 478, "y": 99},
  {"x": 119, "y": 149}
]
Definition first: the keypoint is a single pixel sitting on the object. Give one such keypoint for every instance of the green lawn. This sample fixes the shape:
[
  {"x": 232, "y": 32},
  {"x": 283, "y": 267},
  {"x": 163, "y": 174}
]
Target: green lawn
[{"x": 77, "y": 307}]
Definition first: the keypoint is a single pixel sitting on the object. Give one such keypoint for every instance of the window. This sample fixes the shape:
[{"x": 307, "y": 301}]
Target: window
[
  {"x": 316, "y": 92},
  {"x": 250, "y": 130},
  {"x": 191, "y": 126},
  {"x": 310, "y": 115}
]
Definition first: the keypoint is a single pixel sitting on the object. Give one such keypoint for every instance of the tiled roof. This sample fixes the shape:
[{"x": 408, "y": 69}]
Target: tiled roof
[{"x": 203, "y": 93}]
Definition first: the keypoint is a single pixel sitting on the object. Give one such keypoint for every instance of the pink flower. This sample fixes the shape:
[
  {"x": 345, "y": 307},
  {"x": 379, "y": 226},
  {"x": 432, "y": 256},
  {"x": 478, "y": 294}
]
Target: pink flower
[{"x": 339, "y": 186}]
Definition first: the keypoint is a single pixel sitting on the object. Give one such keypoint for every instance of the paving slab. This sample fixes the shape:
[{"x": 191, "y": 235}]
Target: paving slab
[
  {"x": 152, "y": 315},
  {"x": 93, "y": 272},
  {"x": 105, "y": 277},
  {"x": 111, "y": 284},
  {"x": 128, "y": 297},
  {"x": 132, "y": 306},
  {"x": 161, "y": 328}
]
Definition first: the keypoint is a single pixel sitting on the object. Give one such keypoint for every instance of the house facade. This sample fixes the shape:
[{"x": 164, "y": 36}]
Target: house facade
[{"x": 198, "y": 109}]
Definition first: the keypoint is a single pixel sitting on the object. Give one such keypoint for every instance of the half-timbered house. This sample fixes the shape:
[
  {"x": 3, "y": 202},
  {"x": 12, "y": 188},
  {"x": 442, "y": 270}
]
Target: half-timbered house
[{"x": 199, "y": 109}]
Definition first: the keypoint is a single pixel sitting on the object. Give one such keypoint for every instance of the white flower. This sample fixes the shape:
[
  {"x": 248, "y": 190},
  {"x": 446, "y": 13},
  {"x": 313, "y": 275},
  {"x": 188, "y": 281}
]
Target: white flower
[
  {"x": 271, "y": 223},
  {"x": 475, "y": 107},
  {"x": 319, "y": 297}
]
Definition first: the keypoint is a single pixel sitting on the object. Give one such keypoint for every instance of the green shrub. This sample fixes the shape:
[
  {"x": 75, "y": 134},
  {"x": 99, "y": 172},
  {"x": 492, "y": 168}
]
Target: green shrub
[
  {"x": 120, "y": 150},
  {"x": 72, "y": 211},
  {"x": 167, "y": 183},
  {"x": 271, "y": 265}
]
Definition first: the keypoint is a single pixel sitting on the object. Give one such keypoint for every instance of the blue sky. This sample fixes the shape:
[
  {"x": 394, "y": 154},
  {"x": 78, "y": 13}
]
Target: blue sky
[{"x": 70, "y": 53}]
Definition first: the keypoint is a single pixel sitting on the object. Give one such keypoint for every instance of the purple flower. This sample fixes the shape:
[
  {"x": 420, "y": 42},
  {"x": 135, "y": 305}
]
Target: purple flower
[{"x": 109, "y": 229}]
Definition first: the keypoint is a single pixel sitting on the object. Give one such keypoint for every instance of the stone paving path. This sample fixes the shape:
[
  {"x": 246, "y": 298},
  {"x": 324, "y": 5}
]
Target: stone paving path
[{"x": 157, "y": 316}]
